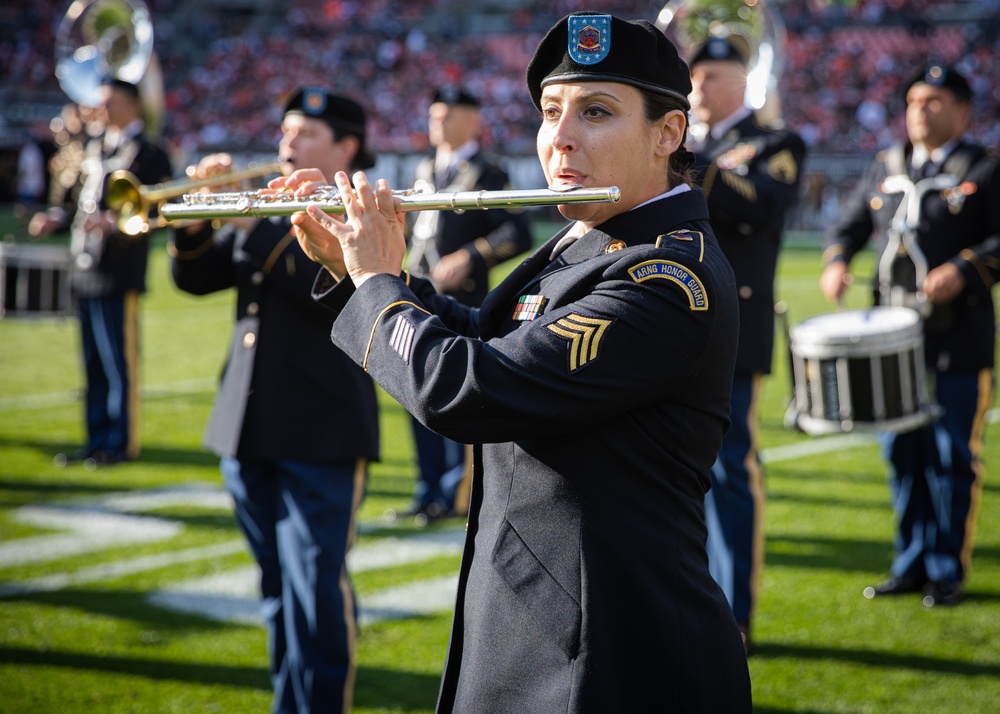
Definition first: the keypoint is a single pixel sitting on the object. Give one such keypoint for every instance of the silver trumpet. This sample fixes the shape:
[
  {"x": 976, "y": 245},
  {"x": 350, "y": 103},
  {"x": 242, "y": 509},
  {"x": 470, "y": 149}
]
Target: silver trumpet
[{"x": 264, "y": 204}]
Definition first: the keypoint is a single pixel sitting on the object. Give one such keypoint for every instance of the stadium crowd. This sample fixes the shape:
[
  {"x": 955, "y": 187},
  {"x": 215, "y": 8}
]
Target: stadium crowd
[{"x": 844, "y": 62}]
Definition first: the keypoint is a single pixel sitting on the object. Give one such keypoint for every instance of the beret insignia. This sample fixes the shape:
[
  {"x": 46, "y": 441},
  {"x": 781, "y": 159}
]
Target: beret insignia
[
  {"x": 675, "y": 273},
  {"x": 589, "y": 38},
  {"x": 313, "y": 101},
  {"x": 584, "y": 335}
]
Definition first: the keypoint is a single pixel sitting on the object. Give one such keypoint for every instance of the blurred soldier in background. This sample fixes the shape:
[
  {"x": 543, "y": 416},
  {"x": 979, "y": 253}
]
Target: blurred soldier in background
[
  {"x": 108, "y": 276},
  {"x": 936, "y": 475},
  {"x": 295, "y": 420},
  {"x": 456, "y": 251},
  {"x": 750, "y": 173}
]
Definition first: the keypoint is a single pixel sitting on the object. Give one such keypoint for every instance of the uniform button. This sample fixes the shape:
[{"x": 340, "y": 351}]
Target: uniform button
[
  {"x": 257, "y": 278},
  {"x": 249, "y": 339},
  {"x": 972, "y": 301},
  {"x": 252, "y": 309},
  {"x": 745, "y": 292}
]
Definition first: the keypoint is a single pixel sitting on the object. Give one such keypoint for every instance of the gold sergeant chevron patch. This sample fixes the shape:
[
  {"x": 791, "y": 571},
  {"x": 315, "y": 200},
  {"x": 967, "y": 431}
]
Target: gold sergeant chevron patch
[
  {"x": 675, "y": 273},
  {"x": 584, "y": 335}
]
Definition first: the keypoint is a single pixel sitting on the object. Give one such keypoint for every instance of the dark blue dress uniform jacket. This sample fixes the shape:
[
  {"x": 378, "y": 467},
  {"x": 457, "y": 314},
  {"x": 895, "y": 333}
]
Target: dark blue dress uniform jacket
[
  {"x": 286, "y": 392},
  {"x": 584, "y": 583},
  {"x": 959, "y": 225},
  {"x": 490, "y": 237},
  {"x": 751, "y": 177}
]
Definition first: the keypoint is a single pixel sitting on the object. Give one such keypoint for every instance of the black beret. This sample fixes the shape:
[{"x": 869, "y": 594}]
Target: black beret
[
  {"x": 455, "y": 96},
  {"x": 589, "y": 47},
  {"x": 941, "y": 75},
  {"x": 345, "y": 116},
  {"x": 719, "y": 49}
]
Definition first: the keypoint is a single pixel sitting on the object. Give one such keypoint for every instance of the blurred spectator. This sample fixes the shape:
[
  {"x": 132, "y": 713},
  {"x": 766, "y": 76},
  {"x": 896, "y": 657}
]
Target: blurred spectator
[{"x": 841, "y": 59}]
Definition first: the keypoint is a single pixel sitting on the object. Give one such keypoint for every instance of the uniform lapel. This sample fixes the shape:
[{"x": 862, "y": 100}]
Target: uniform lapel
[{"x": 496, "y": 304}]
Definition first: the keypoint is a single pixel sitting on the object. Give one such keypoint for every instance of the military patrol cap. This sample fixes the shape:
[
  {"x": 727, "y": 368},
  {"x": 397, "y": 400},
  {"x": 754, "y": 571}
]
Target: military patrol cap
[
  {"x": 454, "y": 96},
  {"x": 589, "y": 47},
  {"x": 941, "y": 75},
  {"x": 721, "y": 49},
  {"x": 345, "y": 116}
]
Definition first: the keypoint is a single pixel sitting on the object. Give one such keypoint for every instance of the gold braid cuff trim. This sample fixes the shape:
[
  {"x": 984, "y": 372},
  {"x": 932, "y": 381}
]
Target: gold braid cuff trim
[
  {"x": 484, "y": 249},
  {"x": 371, "y": 339},
  {"x": 174, "y": 252},
  {"x": 709, "y": 179},
  {"x": 984, "y": 273},
  {"x": 276, "y": 253}
]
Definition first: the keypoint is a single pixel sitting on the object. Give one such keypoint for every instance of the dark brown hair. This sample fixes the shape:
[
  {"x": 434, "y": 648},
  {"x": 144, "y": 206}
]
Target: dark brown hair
[{"x": 654, "y": 107}]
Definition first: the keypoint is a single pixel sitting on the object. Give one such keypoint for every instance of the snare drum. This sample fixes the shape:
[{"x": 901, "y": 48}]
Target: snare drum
[
  {"x": 860, "y": 370},
  {"x": 35, "y": 281}
]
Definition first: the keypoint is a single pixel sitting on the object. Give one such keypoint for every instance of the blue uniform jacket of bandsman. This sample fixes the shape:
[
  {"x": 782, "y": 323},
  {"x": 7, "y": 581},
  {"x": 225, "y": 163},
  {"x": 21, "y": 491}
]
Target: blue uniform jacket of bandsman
[
  {"x": 286, "y": 392},
  {"x": 960, "y": 225},
  {"x": 752, "y": 176},
  {"x": 584, "y": 583}
]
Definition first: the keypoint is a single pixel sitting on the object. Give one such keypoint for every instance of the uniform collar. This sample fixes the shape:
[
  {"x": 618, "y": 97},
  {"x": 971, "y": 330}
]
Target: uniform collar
[
  {"x": 920, "y": 156},
  {"x": 576, "y": 231},
  {"x": 444, "y": 160},
  {"x": 719, "y": 130}
]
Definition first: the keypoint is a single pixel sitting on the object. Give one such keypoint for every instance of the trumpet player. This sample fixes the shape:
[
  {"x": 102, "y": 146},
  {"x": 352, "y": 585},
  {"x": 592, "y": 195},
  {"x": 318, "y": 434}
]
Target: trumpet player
[
  {"x": 109, "y": 276},
  {"x": 750, "y": 174},
  {"x": 295, "y": 421}
]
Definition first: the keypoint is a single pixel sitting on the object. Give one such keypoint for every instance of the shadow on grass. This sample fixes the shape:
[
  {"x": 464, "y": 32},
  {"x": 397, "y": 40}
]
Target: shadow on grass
[
  {"x": 150, "y": 454},
  {"x": 376, "y": 687},
  {"x": 130, "y": 605},
  {"x": 193, "y": 672},
  {"x": 875, "y": 658},
  {"x": 839, "y": 553},
  {"x": 395, "y": 690},
  {"x": 829, "y": 501}
]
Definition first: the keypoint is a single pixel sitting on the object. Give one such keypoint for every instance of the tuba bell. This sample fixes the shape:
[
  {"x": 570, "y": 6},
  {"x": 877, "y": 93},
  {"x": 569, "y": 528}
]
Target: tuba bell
[
  {"x": 101, "y": 39},
  {"x": 752, "y": 25}
]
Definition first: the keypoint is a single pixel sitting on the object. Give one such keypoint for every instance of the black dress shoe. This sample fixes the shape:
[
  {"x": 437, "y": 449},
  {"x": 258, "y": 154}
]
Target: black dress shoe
[
  {"x": 73, "y": 457},
  {"x": 894, "y": 586},
  {"x": 943, "y": 593},
  {"x": 102, "y": 457}
]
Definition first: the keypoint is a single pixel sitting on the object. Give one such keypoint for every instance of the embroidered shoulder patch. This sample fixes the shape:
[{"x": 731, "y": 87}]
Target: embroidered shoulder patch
[
  {"x": 676, "y": 273},
  {"x": 584, "y": 335},
  {"x": 782, "y": 167},
  {"x": 685, "y": 235}
]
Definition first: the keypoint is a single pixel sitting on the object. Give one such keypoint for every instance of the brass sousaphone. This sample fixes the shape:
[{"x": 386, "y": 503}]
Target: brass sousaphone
[
  {"x": 102, "y": 39},
  {"x": 753, "y": 25}
]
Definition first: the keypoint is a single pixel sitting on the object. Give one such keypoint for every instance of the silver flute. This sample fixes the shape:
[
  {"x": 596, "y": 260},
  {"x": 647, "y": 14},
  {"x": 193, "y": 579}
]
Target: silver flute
[{"x": 264, "y": 204}]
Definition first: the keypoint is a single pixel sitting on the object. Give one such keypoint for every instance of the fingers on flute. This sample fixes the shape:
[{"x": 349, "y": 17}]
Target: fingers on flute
[{"x": 386, "y": 201}]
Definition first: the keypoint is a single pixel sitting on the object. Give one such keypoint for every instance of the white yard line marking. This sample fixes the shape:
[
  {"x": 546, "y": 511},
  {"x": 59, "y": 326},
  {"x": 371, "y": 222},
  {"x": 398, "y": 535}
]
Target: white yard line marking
[{"x": 121, "y": 568}]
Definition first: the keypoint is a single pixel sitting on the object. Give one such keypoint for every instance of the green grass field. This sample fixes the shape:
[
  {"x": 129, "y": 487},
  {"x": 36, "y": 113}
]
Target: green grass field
[{"x": 86, "y": 557}]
